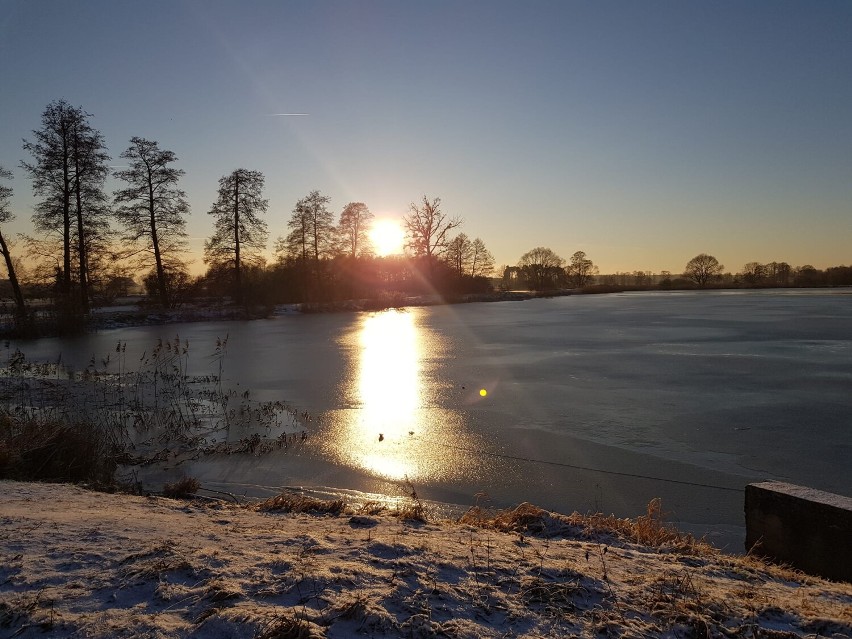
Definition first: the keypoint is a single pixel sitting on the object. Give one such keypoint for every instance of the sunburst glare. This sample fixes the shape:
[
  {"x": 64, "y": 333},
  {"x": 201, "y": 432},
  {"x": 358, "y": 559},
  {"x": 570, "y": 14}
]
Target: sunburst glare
[{"x": 387, "y": 237}]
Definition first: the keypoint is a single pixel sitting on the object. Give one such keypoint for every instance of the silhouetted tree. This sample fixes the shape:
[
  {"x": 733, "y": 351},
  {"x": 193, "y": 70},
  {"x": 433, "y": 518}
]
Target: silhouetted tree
[
  {"x": 542, "y": 268},
  {"x": 91, "y": 208},
  {"x": 807, "y": 275},
  {"x": 779, "y": 273},
  {"x": 321, "y": 229},
  {"x": 428, "y": 227},
  {"x": 481, "y": 260},
  {"x": 5, "y": 216},
  {"x": 458, "y": 253},
  {"x": 580, "y": 270},
  {"x": 312, "y": 230},
  {"x": 754, "y": 273},
  {"x": 353, "y": 229},
  {"x": 703, "y": 268},
  {"x": 838, "y": 275},
  {"x": 240, "y": 234},
  {"x": 68, "y": 172},
  {"x": 153, "y": 210}
]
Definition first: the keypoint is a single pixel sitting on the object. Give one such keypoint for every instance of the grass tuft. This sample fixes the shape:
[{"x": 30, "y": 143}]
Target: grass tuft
[
  {"x": 289, "y": 627},
  {"x": 294, "y": 503},
  {"x": 183, "y": 487}
]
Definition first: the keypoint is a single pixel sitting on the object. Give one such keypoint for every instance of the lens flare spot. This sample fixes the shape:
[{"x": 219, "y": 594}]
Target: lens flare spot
[{"x": 482, "y": 392}]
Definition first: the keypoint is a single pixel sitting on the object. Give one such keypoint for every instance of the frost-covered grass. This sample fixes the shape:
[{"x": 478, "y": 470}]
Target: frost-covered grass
[{"x": 75, "y": 563}]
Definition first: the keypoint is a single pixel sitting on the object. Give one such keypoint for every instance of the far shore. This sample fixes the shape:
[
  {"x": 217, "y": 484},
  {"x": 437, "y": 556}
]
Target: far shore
[{"x": 135, "y": 311}]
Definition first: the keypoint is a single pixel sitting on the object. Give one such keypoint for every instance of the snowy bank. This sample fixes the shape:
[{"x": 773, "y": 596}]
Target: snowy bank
[{"x": 86, "y": 564}]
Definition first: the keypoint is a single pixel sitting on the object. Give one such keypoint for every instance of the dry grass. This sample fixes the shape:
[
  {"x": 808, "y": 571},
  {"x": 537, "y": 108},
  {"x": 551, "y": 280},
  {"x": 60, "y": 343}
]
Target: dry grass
[
  {"x": 183, "y": 487},
  {"x": 294, "y": 503},
  {"x": 649, "y": 529},
  {"x": 410, "y": 510},
  {"x": 411, "y": 507},
  {"x": 52, "y": 451},
  {"x": 290, "y": 627}
]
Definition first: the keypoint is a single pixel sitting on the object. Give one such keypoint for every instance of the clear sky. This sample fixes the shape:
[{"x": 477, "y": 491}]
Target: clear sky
[{"x": 640, "y": 132}]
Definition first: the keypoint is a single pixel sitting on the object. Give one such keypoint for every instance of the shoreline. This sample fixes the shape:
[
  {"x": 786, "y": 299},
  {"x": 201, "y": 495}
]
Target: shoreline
[
  {"x": 134, "y": 314},
  {"x": 75, "y": 562}
]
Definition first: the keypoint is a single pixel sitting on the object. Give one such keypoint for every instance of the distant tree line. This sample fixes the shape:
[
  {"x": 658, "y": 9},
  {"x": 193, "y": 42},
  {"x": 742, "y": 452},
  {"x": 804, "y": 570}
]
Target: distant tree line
[
  {"x": 705, "y": 271},
  {"x": 541, "y": 269}
]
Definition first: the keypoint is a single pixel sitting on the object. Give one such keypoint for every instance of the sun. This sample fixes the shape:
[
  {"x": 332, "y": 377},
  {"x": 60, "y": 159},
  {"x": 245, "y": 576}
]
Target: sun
[{"x": 387, "y": 237}]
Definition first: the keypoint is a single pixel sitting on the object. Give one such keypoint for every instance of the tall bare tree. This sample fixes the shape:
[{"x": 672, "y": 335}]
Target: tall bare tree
[
  {"x": 353, "y": 228},
  {"x": 703, "y": 268},
  {"x": 152, "y": 209},
  {"x": 428, "y": 228},
  {"x": 240, "y": 234},
  {"x": 459, "y": 253},
  {"x": 312, "y": 232},
  {"x": 5, "y": 216},
  {"x": 68, "y": 172},
  {"x": 481, "y": 260},
  {"x": 91, "y": 208}
]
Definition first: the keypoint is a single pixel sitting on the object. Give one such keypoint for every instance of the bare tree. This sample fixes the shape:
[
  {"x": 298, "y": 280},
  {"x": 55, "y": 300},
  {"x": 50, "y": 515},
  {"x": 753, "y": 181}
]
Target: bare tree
[
  {"x": 296, "y": 246},
  {"x": 313, "y": 232},
  {"x": 5, "y": 216},
  {"x": 702, "y": 268},
  {"x": 152, "y": 209},
  {"x": 353, "y": 228},
  {"x": 68, "y": 172},
  {"x": 581, "y": 270},
  {"x": 459, "y": 253},
  {"x": 542, "y": 268},
  {"x": 428, "y": 229},
  {"x": 91, "y": 208},
  {"x": 481, "y": 260},
  {"x": 240, "y": 234}
]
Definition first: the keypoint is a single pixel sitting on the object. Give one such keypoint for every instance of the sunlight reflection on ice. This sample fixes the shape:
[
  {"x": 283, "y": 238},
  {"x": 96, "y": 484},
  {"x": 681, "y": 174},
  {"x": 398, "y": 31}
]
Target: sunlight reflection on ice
[{"x": 393, "y": 432}]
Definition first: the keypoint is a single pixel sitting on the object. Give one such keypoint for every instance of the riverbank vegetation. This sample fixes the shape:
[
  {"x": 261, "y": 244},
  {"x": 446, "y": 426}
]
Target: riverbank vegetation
[{"x": 61, "y": 424}]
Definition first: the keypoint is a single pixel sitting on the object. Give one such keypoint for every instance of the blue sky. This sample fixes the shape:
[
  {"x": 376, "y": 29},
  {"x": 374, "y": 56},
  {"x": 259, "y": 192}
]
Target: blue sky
[{"x": 640, "y": 132}]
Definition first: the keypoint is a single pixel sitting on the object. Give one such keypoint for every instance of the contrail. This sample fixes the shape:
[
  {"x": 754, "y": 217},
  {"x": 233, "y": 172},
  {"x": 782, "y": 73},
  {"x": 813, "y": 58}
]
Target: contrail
[{"x": 285, "y": 114}]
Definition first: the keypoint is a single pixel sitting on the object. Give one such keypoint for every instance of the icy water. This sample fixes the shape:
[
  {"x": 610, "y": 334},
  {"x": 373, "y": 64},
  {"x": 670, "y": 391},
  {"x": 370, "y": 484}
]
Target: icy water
[{"x": 588, "y": 403}]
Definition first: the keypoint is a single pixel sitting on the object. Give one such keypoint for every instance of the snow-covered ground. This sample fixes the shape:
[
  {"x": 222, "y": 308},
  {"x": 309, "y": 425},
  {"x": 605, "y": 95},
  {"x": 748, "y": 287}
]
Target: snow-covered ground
[{"x": 75, "y": 563}]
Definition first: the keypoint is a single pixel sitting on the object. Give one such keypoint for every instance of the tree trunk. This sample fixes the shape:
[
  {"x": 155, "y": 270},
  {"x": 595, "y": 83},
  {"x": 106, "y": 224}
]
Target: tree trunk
[
  {"x": 13, "y": 279},
  {"x": 65, "y": 291},
  {"x": 238, "y": 283},
  {"x": 162, "y": 289},
  {"x": 81, "y": 236}
]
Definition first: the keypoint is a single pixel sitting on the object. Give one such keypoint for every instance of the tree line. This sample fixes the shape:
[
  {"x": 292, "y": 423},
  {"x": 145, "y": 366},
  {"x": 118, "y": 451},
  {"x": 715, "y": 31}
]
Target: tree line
[
  {"x": 542, "y": 269},
  {"x": 705, "y": 271},
  {"x": 89, "y": 244}
]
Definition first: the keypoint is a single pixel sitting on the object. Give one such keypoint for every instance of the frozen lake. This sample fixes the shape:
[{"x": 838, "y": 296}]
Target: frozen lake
[{"x": 594, "y": 402}]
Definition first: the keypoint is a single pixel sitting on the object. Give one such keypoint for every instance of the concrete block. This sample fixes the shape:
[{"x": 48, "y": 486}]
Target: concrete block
[{"x": 809, "y": 529}]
